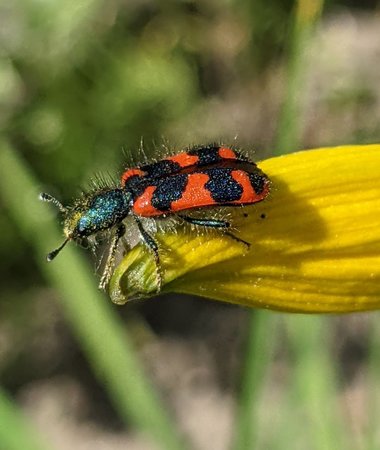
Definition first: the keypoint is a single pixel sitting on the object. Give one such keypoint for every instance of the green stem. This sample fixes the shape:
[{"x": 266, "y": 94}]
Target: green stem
[
  {"x": 15, "y": 432},
  {"x": 261, "y": 327},
  {"x": 314, "y": 384},
  {"x": 101, "y": 334},
  {"x": 314, "y": 378},
  {"x": 288, "y": 134},
  {"x": 258, "y": 353}
]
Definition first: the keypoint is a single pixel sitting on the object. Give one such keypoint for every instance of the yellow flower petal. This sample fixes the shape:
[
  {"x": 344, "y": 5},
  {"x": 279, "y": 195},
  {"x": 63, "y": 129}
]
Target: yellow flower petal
[{"x": 315, "y": 241}]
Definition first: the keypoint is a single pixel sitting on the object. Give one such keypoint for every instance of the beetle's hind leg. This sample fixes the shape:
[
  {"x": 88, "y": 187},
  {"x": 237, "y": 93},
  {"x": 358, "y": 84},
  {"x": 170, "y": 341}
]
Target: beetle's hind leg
[
  {"x": 107, "y": 272},
  {"x": 214, "y": 223},
  {"x": 152, "y": 245}
]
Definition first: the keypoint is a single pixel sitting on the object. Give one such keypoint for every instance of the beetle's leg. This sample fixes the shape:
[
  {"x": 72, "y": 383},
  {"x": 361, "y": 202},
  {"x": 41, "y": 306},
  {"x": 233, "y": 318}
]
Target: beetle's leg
[
  {"x": 214, "y": 223},
  {"x": 153, "y": 247},
  {"x": 107, "y": 272}
]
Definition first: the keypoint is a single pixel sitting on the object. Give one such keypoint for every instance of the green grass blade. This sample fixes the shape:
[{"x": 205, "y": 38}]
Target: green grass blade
[
  {"x": 259, "y": 352},
  {"x": 99, "y": 331},
  {"x": 306, "y": 15},
  {"x": 15, "y": 432},
  {"x": 313, "y": 384},
  {"x": 314, "y": 387}
]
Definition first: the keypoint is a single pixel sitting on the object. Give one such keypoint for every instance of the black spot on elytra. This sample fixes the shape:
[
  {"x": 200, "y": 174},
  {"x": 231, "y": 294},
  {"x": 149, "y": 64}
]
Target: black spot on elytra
[
  {"x": 136, "y": 185},
  {"x": 207, "y": 155},
  {"x": 245, "y": 215},
  {"x": 168, "y": 190},
  {"x": 223, "y": 188},
  {"x": 263, "y": 216},
  {"x": 161, "y": 168},
  {"x": 257, "y": 181}
]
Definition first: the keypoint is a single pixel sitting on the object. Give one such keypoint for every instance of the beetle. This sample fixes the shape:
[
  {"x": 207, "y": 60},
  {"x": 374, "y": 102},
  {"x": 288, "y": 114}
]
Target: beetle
[{"x": 202, "y": 177}]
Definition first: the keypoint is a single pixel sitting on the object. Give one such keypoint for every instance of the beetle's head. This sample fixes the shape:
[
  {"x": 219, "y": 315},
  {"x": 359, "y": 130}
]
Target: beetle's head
[{"x": 91, "y": 213}]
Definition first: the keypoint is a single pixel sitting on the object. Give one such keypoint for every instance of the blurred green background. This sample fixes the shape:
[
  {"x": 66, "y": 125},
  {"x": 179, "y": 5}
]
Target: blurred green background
[{"x": 82, "y": 83}]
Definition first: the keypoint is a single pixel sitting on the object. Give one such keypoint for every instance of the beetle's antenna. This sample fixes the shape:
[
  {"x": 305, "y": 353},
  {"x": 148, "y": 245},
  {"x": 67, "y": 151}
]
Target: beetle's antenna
[
  {"x": 55, "y": 252},
  {"x": 50, "y": 199}
]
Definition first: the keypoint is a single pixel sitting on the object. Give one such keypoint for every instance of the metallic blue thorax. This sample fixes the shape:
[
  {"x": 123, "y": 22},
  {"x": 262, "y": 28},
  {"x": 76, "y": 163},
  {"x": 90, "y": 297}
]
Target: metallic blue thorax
[{"x": 105, "y": 210}]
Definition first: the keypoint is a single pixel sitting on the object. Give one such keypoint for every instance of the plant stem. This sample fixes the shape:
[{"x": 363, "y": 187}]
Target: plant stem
[{"x": 15, "y": 432}]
